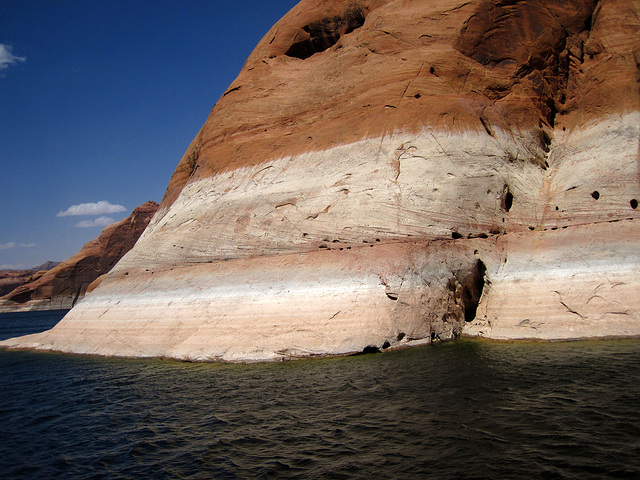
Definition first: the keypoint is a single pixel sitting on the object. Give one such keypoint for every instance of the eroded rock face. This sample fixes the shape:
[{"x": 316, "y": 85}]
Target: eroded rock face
[
  {"x": 64, "y": 284},
  {"x": 322, "y": 34},
  {"x": 10, "y": 279},
  {"x": 386, "y": 172}
]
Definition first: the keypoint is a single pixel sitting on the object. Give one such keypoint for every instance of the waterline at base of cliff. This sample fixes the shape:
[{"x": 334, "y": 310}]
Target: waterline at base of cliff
[{"x": 462, "y": 409}]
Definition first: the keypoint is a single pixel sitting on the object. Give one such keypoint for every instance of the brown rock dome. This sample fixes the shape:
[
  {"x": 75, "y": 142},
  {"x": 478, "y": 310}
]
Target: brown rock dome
[{"x": 384, "y": 173}]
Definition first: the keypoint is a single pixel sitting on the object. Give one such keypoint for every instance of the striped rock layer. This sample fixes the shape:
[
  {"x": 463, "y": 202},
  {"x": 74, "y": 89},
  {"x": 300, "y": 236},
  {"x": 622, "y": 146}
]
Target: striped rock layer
[{"x": 385, "y": 173}]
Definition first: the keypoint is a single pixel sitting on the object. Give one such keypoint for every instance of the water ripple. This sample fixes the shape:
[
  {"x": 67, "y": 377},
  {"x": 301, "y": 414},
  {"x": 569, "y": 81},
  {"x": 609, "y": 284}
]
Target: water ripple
[{"x": 460, "y": 410}]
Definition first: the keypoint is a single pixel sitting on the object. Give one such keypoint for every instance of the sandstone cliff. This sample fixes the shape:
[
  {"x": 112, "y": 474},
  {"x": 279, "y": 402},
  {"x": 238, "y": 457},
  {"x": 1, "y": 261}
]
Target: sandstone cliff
[
  {"x": 64, "y": 284},
  {"x": 10, "y": 279},
  {"x": 385, "y": 172}
]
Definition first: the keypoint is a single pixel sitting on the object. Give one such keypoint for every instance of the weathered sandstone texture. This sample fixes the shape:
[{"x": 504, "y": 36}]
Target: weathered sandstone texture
[
  {"x": 384, "y": 173},
  {"x": 63, "y": 285}
]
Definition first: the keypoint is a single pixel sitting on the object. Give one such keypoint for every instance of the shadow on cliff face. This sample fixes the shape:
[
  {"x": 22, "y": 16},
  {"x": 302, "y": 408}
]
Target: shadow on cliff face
[
  {"x": 465, "y": 290},
  {"x": 472, "y": 286},
  {"x": 320, "y": 35},
  {"x": 539, "y": 39}
]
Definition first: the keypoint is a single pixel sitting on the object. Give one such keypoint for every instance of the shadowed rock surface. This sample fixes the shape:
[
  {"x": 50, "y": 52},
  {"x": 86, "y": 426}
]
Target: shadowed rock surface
[
  {"x": 386, "y": 173},
  {"x": 67, "y": 282}
]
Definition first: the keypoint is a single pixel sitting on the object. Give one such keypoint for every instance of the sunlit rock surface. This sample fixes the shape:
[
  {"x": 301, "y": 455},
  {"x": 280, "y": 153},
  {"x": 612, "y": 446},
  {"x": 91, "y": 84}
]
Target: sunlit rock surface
[
  {"x": 384, "y": 173},
  {"x": 66, "y": 283},
  {"x": 10, "y": 278}
]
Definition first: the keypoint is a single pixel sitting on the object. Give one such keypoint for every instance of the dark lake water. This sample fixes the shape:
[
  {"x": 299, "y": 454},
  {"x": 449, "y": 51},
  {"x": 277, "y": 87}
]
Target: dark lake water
[{"x": 459, "y": 410}]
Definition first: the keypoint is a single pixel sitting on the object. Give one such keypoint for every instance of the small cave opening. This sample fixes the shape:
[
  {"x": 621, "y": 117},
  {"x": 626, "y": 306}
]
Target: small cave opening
[
  {"x": 21, "y": 297},
  {"x": 595, "y": 194},
  {"x": 323, "y": 34},
  {"x": 633, "y": 203},
  {"x": 506, "y": 201},
  {"x": 472, "y": 287},
  {"x": 370, "y": 349}
]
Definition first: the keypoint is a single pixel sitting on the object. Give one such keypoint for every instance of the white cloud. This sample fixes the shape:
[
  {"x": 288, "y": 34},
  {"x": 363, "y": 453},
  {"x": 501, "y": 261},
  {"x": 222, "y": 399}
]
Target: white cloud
[
  {"x": 98, "y": 208},
  {"x": 8, "y": 245},
  {"x": 7, "y": 58},
  {"x": 97, "y": 222}
]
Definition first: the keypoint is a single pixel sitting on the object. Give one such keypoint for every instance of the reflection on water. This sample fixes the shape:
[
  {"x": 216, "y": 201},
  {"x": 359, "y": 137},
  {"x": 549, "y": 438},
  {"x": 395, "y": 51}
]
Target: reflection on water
[{"x": 464, "y": 409}]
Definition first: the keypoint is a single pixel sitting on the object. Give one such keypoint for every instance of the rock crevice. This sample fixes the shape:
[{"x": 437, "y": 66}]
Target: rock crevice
[{"x": 322, "y": 34}]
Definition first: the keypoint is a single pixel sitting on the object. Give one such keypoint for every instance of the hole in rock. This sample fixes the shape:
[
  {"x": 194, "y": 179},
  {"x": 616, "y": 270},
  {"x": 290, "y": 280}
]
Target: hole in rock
[
  {"x": 634, "y": 203},
  {"x": 595, "y": 194},
  {"x": 392, "y": 295},
  {"x": 417, "y": 95},
  {"x": 456, "y": 235},
  {"x": 325, "y": 33},
  {"x": 552, "y": 112},
  {"x": 507, "y": 199},
  {"x": 432, "y": 70},
  {"x": 400, "y": 336},
  {"x": 472, "y": 290},
  {"x": 370, "y": 349},
  {"x": 386, "y": 345},
  {"x": 21, "y": 297}
]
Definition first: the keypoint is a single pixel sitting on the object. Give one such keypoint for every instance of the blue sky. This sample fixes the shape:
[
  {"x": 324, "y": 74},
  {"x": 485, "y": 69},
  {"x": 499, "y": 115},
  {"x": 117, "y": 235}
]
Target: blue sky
[{"x": 99, "y": 99}]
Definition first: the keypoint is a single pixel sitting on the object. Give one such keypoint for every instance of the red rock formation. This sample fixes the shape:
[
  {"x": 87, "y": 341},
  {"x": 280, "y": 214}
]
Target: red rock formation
[
  {"x": 10, "y": 279},
  {"x": 64, "y": 284},
  {"x": 452, "y": 66},
  {"x": 383, "y": 172}
]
